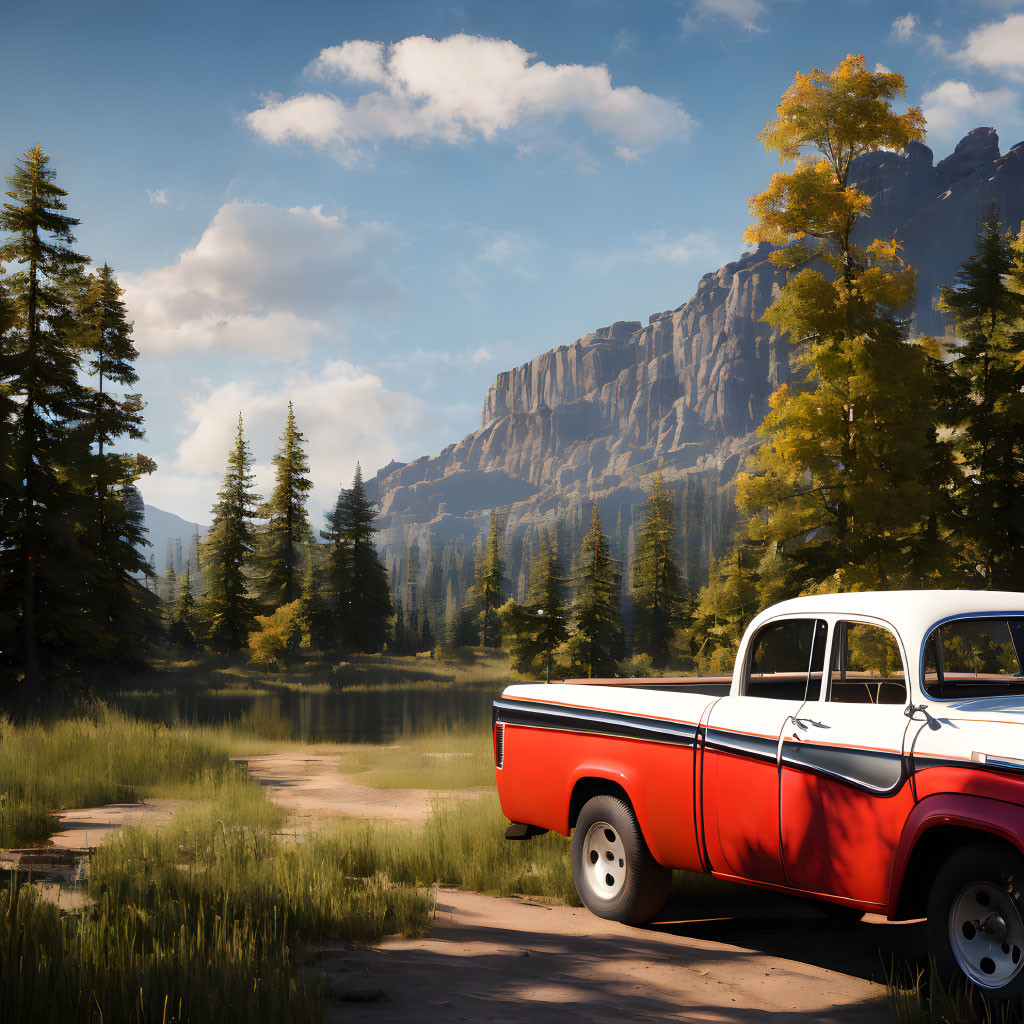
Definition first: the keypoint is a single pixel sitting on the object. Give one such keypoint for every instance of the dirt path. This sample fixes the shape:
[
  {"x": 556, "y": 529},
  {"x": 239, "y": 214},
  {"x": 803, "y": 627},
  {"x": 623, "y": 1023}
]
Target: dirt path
[
  {"x": 310, "y": 785},
  {"x": 86, "y": 827},
  {"x": 512, "y": 960}
]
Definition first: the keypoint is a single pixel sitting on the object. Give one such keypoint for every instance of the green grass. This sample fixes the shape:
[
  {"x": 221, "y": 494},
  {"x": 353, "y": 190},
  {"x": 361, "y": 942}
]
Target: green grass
[
  {"x": 440, "y": 759},
  {"x": 203, "y": 921},
  {"x": 916, "y": 996}
]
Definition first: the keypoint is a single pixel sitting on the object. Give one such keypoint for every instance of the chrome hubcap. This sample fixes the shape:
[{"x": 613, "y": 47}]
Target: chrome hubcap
[
  {"x": 987, "y": 934},
  {"x": 604, "y": 861}
]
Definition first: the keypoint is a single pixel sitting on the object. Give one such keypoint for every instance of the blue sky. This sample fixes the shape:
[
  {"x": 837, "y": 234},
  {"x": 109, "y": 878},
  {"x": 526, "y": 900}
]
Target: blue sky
[{"x": 372, "y": 208}]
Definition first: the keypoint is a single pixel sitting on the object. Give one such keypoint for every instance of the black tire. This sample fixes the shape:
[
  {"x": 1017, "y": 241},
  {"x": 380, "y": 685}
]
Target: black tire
[
  {"x": 635, "y": 886},
  {"x": 838, "y": 912},
  {"x": 976, "y": 922}
]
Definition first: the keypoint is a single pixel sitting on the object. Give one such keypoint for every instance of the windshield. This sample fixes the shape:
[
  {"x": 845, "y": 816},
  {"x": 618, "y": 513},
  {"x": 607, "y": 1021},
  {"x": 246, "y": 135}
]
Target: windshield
[{"x": 975, "y": 658}]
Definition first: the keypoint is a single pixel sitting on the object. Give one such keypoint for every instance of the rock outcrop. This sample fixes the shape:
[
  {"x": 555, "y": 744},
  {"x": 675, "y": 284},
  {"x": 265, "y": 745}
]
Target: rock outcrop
[{"x": 682, "y": 394}]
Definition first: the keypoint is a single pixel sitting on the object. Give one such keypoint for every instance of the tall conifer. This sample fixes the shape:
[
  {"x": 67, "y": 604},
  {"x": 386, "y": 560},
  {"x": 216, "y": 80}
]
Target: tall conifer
[
  {"x": 228, "y": 607},
  {"x": 287, "y": 530},
  {"x": 987, "y": 407},
  {"x": 41, "y": 555},
  {"x": 535, "y": 630},
  {"x": 357, "y": 576},
  {"x": 489, "y": 583},
  {"x": 595, "y": 642},
  {"x": 115, "y": 533},
  {"x": 657, "y": 585}
]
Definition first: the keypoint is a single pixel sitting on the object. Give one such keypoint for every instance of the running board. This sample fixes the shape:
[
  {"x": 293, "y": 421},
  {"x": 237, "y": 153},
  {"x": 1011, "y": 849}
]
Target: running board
[{"x": 518, "y": 831}]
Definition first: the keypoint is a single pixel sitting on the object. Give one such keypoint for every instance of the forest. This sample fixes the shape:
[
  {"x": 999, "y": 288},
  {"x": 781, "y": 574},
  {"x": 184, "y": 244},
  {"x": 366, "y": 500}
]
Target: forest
[{"x": 889, "y": 460}]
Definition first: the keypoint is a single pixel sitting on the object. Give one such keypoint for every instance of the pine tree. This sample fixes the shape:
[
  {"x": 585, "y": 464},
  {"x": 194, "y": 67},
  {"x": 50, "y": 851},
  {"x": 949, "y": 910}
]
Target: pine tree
[
  {"x": 115, "y": 535},
  {"x": 184, "y": 628},
  {"x": 228, "y": 608},
  {"x": 595, "y": 641},
  {"x": 489, "y": 582},
  {"x": 312, "y": 613},
  {"x": 287, "y": 528},
  {"x": 987, "y": 408},
  {"x": 657, "y": 586},
  {"x": 42, "y": 560},
  {"x": 849, "y": 486},
  {"x": 357, "y": 576},
  {"x": 535, "y": 631}
]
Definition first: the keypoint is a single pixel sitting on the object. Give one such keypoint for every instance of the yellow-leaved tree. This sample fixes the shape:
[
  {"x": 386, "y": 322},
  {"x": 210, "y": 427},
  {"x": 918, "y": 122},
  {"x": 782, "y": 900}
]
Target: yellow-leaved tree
[{"x": 847, "y": 489}]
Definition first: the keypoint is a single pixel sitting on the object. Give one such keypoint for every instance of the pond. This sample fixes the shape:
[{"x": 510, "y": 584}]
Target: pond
[{"x": 360, "y": 715}]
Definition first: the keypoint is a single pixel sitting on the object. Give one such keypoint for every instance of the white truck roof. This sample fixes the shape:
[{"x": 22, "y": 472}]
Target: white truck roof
[{"x": 911, "y": 612}]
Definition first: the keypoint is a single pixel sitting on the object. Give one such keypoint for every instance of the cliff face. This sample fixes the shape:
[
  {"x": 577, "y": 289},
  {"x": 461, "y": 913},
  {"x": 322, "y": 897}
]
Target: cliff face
[{"x": 592, "y": 419}]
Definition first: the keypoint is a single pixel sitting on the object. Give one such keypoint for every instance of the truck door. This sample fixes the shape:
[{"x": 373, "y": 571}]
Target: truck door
[
  {"x": 783, "y": 662},
  {"x": 845, "y": 793}
]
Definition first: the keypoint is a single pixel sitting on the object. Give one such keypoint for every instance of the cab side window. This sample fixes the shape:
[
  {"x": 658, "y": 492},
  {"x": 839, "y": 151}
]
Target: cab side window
[
  {"x": 867, "y": 667},
  {"x": 786, "y": 660}
]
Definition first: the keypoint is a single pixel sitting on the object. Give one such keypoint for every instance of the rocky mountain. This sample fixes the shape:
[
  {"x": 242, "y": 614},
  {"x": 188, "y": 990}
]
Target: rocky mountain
[{"x": 592, "y": 420}]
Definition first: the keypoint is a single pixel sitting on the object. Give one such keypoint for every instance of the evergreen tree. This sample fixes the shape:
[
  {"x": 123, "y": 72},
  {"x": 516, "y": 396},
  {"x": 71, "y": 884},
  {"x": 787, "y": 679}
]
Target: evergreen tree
[
  {"x": 312, "y": 612},
  {"x": 287, "y": 528},
  {"x": 424, "y": 634},
  {"x": 42, "y": 560},
  {"x": 657, "y": 586},
  {"x": 357, "y": 575},
  {"x": 850, "y": 484},
  {"x": 228, "y": 608},
  {"x": 595, "y": 642},
  {"x": 724, "y": 608},
  {"x": 534, "y": 631},
  {"x": 987, "y": 408},
  {"x": 115, "y": 535},
  {"x": 488, "y": 584},
  {"x": 184, "y": 628}
]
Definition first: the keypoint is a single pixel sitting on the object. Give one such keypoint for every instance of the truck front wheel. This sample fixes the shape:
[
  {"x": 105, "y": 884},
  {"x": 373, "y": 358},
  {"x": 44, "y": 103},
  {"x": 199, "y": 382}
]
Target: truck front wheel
[
  {"x": 976, "y": 921},
  {"x": 616, "y": 876}
]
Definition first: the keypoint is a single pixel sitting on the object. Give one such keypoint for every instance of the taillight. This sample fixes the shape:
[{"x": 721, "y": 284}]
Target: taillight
[{"x": 499, "y": 744}]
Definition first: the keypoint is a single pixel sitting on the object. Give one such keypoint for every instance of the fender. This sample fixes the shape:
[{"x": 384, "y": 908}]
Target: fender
[
  {"x": 666, "y": 847},
  {"x": 998, "y": 818}
]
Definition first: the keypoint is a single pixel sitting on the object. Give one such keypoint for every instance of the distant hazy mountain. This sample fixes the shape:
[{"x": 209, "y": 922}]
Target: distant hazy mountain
[
  {"x": 162, "y": 527},
  {"x": 682, "y": 394}
]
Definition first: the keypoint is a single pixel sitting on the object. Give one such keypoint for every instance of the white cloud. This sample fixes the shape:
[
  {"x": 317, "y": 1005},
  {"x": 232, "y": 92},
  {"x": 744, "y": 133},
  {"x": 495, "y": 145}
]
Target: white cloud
[
  {"x": 905, "y": 27},
  {"x": 997, "y": 47},
  {"x": 345, "y": 412},
  {"x": 953, "y": 107},
  {"x": 744, "y": 13},
  {"x": 624, "y": 40},
  {"x": 264, "y": 279},
  {"x": 456, "y": 90},
  {"x": 658, "y": 247},
  {"x": 157, "y": 196},
  {"x": 881, "y": 69}
]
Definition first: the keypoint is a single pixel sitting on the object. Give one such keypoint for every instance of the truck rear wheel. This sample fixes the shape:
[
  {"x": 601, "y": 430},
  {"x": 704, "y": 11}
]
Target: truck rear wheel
[
  {"x": 616, "y": 876},
  {"x": 976, "y": 921}
]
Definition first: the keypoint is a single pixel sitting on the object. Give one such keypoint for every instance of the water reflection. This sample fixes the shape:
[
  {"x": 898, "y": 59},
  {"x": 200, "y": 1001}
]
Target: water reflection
[{"x": 353, "y": 716}]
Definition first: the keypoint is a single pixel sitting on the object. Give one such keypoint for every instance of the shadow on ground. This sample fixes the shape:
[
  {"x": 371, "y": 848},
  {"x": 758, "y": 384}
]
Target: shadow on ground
[{"x": 514, "y": 960}]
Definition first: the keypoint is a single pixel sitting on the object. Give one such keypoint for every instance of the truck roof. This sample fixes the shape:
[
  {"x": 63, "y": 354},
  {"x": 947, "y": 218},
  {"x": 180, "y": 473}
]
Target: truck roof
[{"x": 911, "y": 612}]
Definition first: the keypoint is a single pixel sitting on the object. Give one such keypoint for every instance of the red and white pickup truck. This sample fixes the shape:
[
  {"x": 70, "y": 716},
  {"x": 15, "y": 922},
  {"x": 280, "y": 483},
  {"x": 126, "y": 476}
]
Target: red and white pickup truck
[{"x": 868, "y": 753}]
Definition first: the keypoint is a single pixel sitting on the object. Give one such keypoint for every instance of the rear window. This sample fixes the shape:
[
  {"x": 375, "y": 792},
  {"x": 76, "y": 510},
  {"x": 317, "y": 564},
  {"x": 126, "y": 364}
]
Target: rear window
[
  {"x": 786, "y": 660},
  {"x": 975, "y": 658}
]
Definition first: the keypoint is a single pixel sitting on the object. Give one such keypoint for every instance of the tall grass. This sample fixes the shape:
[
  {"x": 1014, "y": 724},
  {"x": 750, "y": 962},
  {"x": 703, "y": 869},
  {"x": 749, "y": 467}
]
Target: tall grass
[
  {"x": 101, "y": 758},
  {"x": 917, "y": 996},
  {"x": 444, "y": 759},
  {"x": 201, "y": 922},
  {"x": 463, "y": 845}
]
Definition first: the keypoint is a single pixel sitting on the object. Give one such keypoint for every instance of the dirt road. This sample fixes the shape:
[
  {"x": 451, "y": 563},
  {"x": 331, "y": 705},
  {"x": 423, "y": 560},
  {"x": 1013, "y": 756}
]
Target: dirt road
[{"x": 512, "y": 960}]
